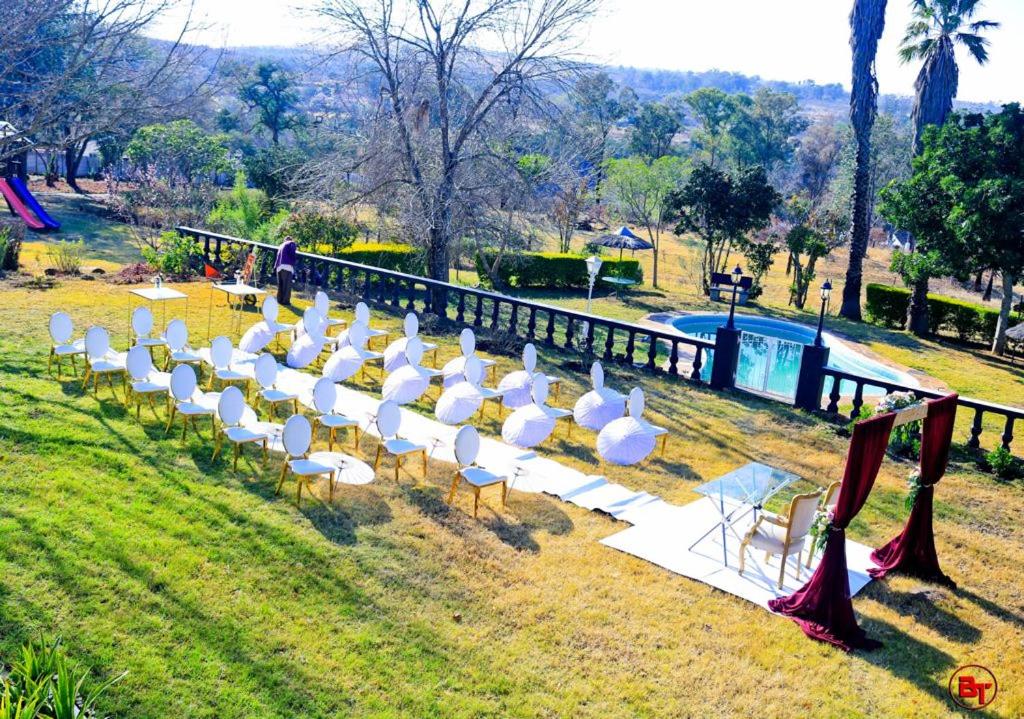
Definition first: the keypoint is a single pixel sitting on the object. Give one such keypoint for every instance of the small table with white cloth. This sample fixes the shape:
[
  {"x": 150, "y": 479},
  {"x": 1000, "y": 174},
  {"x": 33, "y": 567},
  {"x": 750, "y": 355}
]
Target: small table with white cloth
[
  {"x": 239, "y": 292},
  {"x": 157, "y": 294}
]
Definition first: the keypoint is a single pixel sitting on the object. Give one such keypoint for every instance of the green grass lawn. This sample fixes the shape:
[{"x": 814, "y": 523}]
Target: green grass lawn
[{"x": 222, "y": 600}]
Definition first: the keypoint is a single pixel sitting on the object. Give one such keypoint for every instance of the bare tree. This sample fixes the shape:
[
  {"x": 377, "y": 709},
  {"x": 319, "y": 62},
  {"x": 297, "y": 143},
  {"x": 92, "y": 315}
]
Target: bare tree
[
  {"x": 444, "y": 70},
  {"x": 73, "y": 69}
]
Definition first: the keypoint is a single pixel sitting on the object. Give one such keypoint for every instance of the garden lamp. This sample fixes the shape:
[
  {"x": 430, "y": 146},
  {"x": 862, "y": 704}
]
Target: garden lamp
[
  {"x": 737, "y": 276},
  {"x": 593, "y": 267},
  {"x": 826, "y": 292}
]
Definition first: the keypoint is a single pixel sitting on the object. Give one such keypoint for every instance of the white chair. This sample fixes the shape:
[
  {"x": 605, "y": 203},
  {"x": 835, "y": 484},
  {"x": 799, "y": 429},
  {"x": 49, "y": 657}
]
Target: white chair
[
  {"x": 231, "y": 409},
  {"x": 352, "y": 358},
  {"x": 410, "y": 381},
  {"x": 221, "y": 355},
  {"x": 188, "y": 402},
  {"x": 461, "y": 401},
  {"x": 102, "y": 362},
  {"x": 61, "y": 331},
  {"x": 362, "y": 313},
  {"x": 388, "y": 421},
  {"x": 309, "y": 340},
  {"x": 325, "y": 401},
  {"x": 265, "y": 372},
  {"x": 268, "y": 330},
  {"x": 296, "y": 439},
  {"x": 453, "y": 371},
  {"x": 467, "y": 447},
  {"x": 637, "y": 406},
  {"x": 627, "y": 440},
  {"x": 142, "y": 328},
  {"x": 394, "y": 354},
  {"x": 782, "y": 536},
  {"x": 323, "y": 305},
  {"x": 600, "y": 405},
  {"x": 146, "y": 381},
  {"x": 828, "y": 504},
  {"x": 516, "y": 386},
  {"x": 530, "y": 425},
  {"x": 178, "y": 349}
]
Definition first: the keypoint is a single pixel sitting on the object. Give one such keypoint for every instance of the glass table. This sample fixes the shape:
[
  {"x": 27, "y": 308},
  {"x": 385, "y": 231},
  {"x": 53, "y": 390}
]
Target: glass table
[{"x": 736, "y": 494}]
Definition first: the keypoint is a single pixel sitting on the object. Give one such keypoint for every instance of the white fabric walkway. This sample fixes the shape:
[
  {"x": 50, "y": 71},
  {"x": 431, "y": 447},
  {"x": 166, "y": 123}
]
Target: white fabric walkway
[{"x": 661, "y": 532}]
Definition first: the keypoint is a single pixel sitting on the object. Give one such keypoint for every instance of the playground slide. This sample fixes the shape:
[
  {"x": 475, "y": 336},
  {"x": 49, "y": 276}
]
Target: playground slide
[
  {"x": 18, "y": 207},
  {"x": 22, "y": 189}
]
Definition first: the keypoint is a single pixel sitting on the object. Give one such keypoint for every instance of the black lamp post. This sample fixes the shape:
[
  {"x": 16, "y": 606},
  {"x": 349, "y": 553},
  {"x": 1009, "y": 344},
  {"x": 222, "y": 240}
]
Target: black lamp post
[
  {"x": 737, "y": 275},
  {"x": 826, "y": 292}
]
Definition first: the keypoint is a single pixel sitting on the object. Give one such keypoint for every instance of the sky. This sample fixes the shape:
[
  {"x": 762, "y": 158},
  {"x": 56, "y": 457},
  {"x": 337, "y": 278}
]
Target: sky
[{"x": 790, "y": 40}]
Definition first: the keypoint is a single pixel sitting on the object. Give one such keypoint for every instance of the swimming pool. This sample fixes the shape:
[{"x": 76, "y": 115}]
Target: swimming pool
[{"x": 770, "y": 353}]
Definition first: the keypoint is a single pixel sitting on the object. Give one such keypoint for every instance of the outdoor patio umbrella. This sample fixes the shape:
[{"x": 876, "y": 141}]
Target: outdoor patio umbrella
[{"x": 624, "y": 239}]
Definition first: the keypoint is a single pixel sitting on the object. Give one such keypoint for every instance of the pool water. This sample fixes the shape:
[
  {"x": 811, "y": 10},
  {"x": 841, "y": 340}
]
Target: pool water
[{"x": 771, "y": 350}]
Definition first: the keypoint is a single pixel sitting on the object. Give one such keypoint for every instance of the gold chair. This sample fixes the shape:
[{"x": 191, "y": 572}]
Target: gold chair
[{"x": 783, "y": 535}]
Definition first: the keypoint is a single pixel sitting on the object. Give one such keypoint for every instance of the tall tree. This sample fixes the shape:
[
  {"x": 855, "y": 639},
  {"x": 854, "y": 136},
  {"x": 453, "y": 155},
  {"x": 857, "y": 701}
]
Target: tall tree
[
  {"x": 270, "y": 92},
  {"x": 641, "y": 191},
  {"x": 445, "y": 75},
  {"x": 867, "y": 21},
  {"x": 721, "y": 208},
  {"x": 715, "y": 111},
  {"x": 765, "y": 129},
  {"x": 601, "y": 104},
  {"x": 653, "y": 129},
  {"x": 936, "y": 28}
]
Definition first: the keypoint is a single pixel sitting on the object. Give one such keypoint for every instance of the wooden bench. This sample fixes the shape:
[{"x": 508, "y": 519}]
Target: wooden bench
[{"x": 722, "y": 287}]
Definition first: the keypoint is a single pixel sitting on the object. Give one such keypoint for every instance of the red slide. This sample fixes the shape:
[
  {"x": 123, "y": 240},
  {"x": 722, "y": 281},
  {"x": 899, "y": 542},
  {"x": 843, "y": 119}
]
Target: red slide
[{"x": 18, "y": 207}]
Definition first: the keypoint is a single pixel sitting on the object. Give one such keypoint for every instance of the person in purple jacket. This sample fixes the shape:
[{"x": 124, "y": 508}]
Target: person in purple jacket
[{"x": 284, "y": 268}]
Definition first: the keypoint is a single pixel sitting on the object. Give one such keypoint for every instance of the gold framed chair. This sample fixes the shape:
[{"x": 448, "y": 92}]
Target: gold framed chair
[
  {"x": 782, "y": 535},
  {"x": 388, "y": 420}
]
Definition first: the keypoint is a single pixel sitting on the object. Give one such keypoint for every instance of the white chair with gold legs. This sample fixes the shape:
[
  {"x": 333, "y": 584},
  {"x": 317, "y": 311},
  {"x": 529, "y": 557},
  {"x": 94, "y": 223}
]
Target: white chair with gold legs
[
  {"x": 389, "y": 421},
  {"x": 231, "y": 409},
  {"x": 828, "y": 503},
  {"x": 146, "y": 381},
  {"x": 102, "y": 362},
  {"x": 178, "y": 350},
  {"x": 410, "y": 381},
  {"x": 782, "y": 536},
  {"x": 454, "y": 370},
  {"x": 296, "y": 438},
  {"x": 394, "y": 354},
  {"x": 467, "y": 447},
  {"x": 323, "y": 305},
  {"x": 362, "y": 313},
  {"x": 142, "y": 329},
  {"x": 353, "y": 358},
  {"x": 188, "y": 402},
  {"x": 265, "y": 372},
  {"x": 325, "y": 401},
  {"x": 464, "y": 399},
  {"x": 61, "y": 332},
  {"x": 221, "y": 355}
]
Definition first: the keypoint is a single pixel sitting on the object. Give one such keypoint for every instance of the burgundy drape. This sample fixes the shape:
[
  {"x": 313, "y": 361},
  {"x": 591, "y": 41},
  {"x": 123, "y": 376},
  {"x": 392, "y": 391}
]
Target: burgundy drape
[
  {"x": 913, "y": 550},
  {"x": 822, "y": 607}
]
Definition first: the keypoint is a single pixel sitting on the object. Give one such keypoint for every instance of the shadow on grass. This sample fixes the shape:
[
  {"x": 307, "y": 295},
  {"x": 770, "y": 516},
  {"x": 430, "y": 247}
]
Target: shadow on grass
[
  {"x": 924, "y": 606},
  {"x": 911, "y": 660}
]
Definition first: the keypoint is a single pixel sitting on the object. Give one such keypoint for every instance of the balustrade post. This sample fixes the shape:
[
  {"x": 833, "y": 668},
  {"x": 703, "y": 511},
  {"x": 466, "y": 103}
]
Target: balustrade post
[
  {"x": 833, "y": 397},
  {"x": 513, "y": 322},
  {"x": 495, "y": 309},
  {"x": 531, "y": 324},
  {"x": 974, "y": 442},
  {"x": 478, "y": 311},
  {"x": 460, "y": 312},
  {"x": 698, "y": 362},
  {"x": 569, "y": 333},
  {"x": 1008, "y": 432},
  {"x": 609, "y": 345},
  {"x": 652, "y": 353},
  {"x": 549, "y": 338},
  {"x": 811, "y": 380},
  {"x": 727, "y": 354}
]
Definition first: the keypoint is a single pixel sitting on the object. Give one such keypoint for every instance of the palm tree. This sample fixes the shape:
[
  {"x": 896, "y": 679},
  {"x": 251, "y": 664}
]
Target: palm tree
[
  {"x": 867, "y": 21},
  {"x": 935, "y": 30}
]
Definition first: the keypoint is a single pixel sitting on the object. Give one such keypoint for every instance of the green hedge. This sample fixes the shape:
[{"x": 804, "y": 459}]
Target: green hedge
[
  {"x": 887, "y": 306},
  {"x": 554, "y": 269},
  {"x": 400, "y": 258}
]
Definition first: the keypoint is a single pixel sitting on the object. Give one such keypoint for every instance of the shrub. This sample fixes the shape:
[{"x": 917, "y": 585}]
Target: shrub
[
  {"x": 172, "y": 255},
  {"x": 400, "y": 258},
  {"x": 322, "y": 233},
  {"x": 1003, "y": 464},
  {"x": 246, "y": 213},
  {"x": 10, "y": 250},
  {"x": 43, "y": 684},
  {"x": 66, "y": 256},
  {"x": 887, "y": 306},
  {"x": 554, "y": 269}
]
